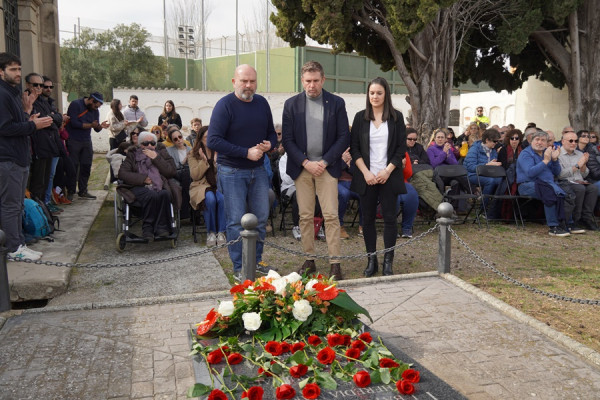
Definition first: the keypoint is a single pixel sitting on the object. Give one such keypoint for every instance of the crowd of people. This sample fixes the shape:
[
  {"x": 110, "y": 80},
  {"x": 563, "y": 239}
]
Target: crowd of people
[{"x": 315, "y": 162}]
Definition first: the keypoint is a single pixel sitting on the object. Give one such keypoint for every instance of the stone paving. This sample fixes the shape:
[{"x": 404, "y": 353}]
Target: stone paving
[{"x": 141, "y": 352}]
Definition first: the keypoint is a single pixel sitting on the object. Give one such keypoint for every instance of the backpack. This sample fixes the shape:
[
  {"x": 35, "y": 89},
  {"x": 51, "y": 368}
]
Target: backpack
[{"x": 35, "y": 222}]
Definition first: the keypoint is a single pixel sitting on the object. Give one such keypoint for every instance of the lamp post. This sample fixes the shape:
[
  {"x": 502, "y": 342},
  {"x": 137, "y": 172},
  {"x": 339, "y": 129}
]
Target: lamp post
[{"x": 186, "y": 46}]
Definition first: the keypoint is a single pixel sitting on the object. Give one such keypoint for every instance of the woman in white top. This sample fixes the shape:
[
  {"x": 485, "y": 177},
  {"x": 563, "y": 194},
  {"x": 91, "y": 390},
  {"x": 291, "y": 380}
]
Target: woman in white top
[{"x": 378, "y": 146}]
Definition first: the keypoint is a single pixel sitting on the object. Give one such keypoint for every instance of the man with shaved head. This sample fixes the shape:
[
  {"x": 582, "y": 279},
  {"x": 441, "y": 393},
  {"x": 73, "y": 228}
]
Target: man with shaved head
[{"x": 241, "y": 132}]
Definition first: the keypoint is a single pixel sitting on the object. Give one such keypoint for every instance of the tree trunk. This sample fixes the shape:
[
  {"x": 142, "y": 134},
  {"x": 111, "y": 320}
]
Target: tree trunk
[{"x": 584, "y": 107}]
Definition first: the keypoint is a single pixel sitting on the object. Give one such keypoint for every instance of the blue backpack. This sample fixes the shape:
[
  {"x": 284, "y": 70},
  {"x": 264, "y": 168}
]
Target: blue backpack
[{"x": 35, "y": 221}]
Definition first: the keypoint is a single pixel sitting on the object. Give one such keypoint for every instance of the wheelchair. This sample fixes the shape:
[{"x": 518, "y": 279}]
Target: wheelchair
[{"x": 128, "y": 215}]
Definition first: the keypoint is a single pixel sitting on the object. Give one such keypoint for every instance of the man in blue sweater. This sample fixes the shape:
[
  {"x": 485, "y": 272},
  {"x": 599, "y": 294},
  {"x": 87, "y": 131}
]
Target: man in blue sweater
[
  {"x": 241, "y": 132},
  {"x": 84, "y": 116},
  {"x": 16, "y": 127}
]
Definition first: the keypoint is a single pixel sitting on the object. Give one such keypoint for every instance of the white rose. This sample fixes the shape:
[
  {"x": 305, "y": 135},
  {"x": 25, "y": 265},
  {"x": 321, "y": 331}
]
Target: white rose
[
  {"x": 273, "y": 274},
  {"x": 310, "y": 284},
  {"x": 251, "y": 320},
  {"x": 293, "y": 277},
  {"x": 302, "y": 310},
  {"x": 226, "y": 308},
  {"x": 279, "y": 284}
]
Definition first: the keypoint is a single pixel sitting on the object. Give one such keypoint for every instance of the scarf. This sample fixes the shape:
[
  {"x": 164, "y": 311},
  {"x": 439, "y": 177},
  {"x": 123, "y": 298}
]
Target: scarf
[{"x": 145, "y": 166}]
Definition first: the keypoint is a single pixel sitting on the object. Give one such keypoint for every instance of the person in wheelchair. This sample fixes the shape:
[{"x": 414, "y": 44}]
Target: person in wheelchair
[{"x": 145, "y": 174}]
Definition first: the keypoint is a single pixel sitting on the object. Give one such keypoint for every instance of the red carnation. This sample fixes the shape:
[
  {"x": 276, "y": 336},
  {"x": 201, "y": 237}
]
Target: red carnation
[
  {"x": 273, "y": 347},
  {"x": 326, "y": 355},
  {"x": 216, "y": 394},
  {"x": 215, "y": 356},
  {"x": 297, "y": 347},
  {"x": 358, "y": 344},
  {"x": 285, "y": 347},
  {"x": 325, "y": 292},
  {"x": 405, "y": 387},
  {"x": 365, "y": 337},
  {"x": 388, "y": 363},
  {"x": 254, "y": 393},
  {"x": 235, "y": 358},
  {"x": 311, "y": 391},
  {"x": 208, "y": 323},
  {"x": 298, "y": 371},
  {"x": 285, "y": 391},
  {"x": 335, "y": 339},
  {"x": 362, "y": 379},
  {"x": 353, "y": 353},
  {"x": 314, "y": 340},
  {"x": 411, "y": 376}
]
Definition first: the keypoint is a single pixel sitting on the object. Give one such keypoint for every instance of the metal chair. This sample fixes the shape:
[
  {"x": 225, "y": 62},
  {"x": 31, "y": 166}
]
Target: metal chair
[
  {"x": 498, "y": 171},
  {"x": 459, "y": 171}
]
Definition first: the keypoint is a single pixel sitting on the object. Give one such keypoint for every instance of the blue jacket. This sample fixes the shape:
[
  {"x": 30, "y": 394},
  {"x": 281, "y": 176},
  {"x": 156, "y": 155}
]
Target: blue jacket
[
  {"x": 530, "y": 167},
  {"x": 336, "y": 134},
  {"x": 15, "y": 127},
  {"x": 477, "y": 156},
  {"x": 80, "y": 115}
]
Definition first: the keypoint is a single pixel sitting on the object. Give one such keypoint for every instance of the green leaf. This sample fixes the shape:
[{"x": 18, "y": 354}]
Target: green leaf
[
  {"x": 385, "y": 375},
  {"x": 298, "y": 357},
  {"x": 326, "y": 381},
  {"x": 198, "y": 390},
  {"x": 343, "y": 300},
  {"x": 375, "y": 376},
  {"x": 276, "y": 369},
  {"x": 303, "y": 383}
]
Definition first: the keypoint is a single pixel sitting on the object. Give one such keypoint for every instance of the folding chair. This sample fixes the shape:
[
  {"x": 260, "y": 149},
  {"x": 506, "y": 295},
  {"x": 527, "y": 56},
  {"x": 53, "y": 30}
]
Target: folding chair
[
  {"x": 498, "y": 171},
  {"x": 453, "y": 172}
]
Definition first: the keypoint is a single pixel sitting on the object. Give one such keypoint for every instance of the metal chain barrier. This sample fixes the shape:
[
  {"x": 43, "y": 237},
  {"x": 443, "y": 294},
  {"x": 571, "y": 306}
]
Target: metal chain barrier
[
  {"x": 382, "y": 251},
  {"x": 131, "y": 264},
  {"x": 516, "y": 282}
]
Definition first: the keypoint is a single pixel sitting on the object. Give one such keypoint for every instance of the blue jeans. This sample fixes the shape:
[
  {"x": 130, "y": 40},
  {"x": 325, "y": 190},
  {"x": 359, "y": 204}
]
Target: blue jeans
[
  {"x": 528, "y": 189},
  {"x": 244, "y": 190},
  {"x": 410, "y": 199},
  {"x": 214, "y": 211},
  {"x": 48, "y": 196},
  {"x": 344, "y": 196}
]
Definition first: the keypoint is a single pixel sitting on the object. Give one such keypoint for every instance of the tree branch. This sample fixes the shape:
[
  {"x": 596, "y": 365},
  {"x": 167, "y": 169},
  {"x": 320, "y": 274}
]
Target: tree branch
[{"x": 553, "y": 47}]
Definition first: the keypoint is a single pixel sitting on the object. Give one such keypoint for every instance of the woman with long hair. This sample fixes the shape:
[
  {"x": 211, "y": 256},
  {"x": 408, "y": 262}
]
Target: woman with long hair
[
  {"x": 180, "y": 153},
  {"x": 378, "y": 147},
  {"x": 203, "y": 189},
  {"x": 117, "y": 124},
  {"x": 169, "y": 115}
]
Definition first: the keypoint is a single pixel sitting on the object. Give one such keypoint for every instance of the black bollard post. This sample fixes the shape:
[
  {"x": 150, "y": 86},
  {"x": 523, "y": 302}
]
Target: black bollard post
[
  {"x": 4, "y": 287},
  {"x": 249, "y": 237},
  {"x": 445, "y": 211}
]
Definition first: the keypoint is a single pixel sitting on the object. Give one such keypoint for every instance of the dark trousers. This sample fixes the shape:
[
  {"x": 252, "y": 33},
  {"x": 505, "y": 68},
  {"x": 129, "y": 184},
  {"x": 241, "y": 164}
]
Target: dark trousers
[
  {"x": 65, "y": 173},
  {"x": 386, "y": 196},
  {"x": 81, "y": 154},
  {"x": 584, "y": 200},
  {"x": 294, "y": 204},
  {"x": 156, "y": 208},
  {"x": 13, "y": 181},
  {"x": 39, "y": 175},
  {"x": 184, "y": 179}
]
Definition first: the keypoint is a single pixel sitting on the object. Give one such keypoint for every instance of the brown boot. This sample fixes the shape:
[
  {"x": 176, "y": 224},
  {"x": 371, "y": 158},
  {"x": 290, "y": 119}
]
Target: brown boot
[
  {"x": 308, "y": 267},
  {"x": 336, "y": 272}
]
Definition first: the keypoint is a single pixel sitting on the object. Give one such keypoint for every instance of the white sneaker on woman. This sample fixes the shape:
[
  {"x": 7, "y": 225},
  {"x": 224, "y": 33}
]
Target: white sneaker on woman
[
  {"x": 211, "y": 240},
  {"x": 221, "y": 239},
  {"x": 24, "y": 253}
]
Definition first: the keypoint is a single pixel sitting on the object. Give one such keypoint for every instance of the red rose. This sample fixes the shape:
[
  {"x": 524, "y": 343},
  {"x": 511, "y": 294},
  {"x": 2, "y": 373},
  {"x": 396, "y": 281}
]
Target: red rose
[
  {"x": 347, "y": 339},
  {"x": 215, "y": 356},
  {"x": 285, "y": 391},
  {"x": 216, "y": 394},
  {"x": 353, "y": 353},
  {"x": 298, "y": 371},
  {"x": 254, "y": 393},
  {"x": 405, "y": 387},
  {"x": 358, "y": 344},
  {"x": 297, "y": 347},
  {"x": 388, "y": 363},
  {"x": 235, "y": 358},
  {"x": 362, "y": 379},
  {"x": 366, "y": 337},
  {"x": 225, "y": 350},
  {"x": 411, "y": 376},
  {"x": 273, "y": 348},
  {"x": 314, "y": 340},
  {"x": 208, "y": 323},
  {"x": 326, "y": 356},
  {"x": 262, "y": 371},
  {"x": 285, "y": 347},
  {"x": 335, "y": 339},
  {"x": 311, "y": 391}
]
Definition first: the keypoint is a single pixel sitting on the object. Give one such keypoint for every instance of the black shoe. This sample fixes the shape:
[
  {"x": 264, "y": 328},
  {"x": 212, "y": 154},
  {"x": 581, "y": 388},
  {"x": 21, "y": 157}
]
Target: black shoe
[
  {"x": 264, "y": 268},
  {"x": 70, "y": 196},
  {"x": 308, "y": 267},
  {"x": 86, "y": 195},
  {"x": 148, "y": 235},
  {"x": 575, "y": 228},
  {"x": 589, "y": 225},
  {"x": 372, "y": 267},
  {"x": 336, "y": 272},
  {"x": 388, "y": 261},
  {"x": 163, "y": 233},
  {"x": 558, "y": 231}
]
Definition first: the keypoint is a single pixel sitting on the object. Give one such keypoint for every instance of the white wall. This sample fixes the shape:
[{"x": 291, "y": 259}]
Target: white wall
[{"x": 542, "y": 103}]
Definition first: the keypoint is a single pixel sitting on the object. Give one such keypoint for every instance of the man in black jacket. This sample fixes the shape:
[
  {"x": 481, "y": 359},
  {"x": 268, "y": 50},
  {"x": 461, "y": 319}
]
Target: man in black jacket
[{"x": 16, "y": 126}]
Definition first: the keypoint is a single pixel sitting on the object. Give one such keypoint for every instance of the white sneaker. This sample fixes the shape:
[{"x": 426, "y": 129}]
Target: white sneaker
[
  {"x": 321, "y": 234},
  {"x": 221, "y": 239},
  {"x": 296, "y": 233},
  {"x": 39, "y": 253},
  {"x": 211, "y": 240},
  {"x": 24, "y": 253}
]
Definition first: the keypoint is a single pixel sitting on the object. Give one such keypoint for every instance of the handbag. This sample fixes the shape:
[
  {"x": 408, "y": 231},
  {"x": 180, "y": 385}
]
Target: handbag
[{"x": 121, "y": 137}]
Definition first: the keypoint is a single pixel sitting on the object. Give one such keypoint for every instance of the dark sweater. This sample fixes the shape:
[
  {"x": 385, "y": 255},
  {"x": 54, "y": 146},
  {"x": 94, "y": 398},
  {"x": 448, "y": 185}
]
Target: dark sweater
[
  {"x": 15, "y": 127},
  {"x": 75, "y": 126},
  {"x": 236, "y": 126}
]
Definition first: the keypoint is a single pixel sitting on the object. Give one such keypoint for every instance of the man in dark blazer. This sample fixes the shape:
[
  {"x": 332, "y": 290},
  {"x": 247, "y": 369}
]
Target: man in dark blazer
[{"x": 315, "y": 134}]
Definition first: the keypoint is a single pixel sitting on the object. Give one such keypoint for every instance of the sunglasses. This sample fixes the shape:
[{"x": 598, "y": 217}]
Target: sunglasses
[
  {"x": 411, "y": 139},
  {"x": 585, "y": 135},
  {"x": 514, "y": 138},
  {"x": 48, "y": 86},
  {"x": 573, "y": 141},
  {"x": 177, "y": 138},
  {"x": 593, "y": 136},
  {"x": 134, "y": 133},
  {"x": 37, "y": 84},
  {"x": 495, "y": 141},
  {"x": 149, "y": 143}
]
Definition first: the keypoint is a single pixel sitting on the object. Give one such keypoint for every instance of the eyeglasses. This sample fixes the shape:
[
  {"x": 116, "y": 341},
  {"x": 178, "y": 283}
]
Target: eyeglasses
[
  {"x": 48, "y": 86},
  {"x": 411, "y": 139},
  {"x": 134, "y": 133},
  {"x": 585, "y": 135},
  {"x": 149, "y": 143},
  {"x": 572, "y": 140},
  {"x": 36, "y": 84},
  {"x": 593, "y": 136},
  {"x": 177, "y": 138},
  {"x": 514, "y": 138},
  {"x": 495, "y": 141}
]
